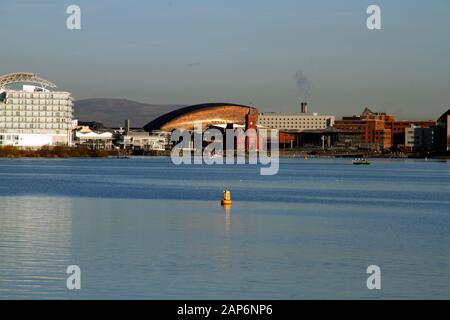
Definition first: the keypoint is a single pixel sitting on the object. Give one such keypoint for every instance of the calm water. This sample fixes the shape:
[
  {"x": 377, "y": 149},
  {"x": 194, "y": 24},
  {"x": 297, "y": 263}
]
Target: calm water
[{"x": 146, "y": 229}]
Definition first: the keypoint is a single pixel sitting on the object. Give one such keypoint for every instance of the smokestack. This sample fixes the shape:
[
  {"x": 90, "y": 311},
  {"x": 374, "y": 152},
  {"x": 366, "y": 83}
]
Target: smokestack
[
  {"x": 304, "y": 107},
  {"x": 127, "y": 125}
]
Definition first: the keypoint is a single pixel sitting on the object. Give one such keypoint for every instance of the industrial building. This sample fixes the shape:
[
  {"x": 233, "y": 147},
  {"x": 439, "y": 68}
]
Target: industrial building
[
  {"x": 33, "y": 113},
  {"x": 296, "y": 122}
]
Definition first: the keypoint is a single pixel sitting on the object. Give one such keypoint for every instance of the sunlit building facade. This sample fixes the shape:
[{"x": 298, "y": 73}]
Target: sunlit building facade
[
  {"x": 33, "y": 113},
  {"x": 379, "y": 130},
  {"x": 295, "y": 121},
  {"x": 204, "y": 114}
]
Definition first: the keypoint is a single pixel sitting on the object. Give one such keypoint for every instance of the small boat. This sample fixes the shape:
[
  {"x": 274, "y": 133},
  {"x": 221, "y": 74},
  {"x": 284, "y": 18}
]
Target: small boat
[{"x": 361, "y": 161}]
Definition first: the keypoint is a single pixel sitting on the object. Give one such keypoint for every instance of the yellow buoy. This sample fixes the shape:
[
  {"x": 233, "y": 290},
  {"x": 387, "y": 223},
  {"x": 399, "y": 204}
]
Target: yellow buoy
[{"x": 226, "y": 198}]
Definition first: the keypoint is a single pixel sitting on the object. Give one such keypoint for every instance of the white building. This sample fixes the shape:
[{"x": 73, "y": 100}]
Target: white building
[
  {"x": 93, "y": 140},
  {"x": 296, "y": 122},
  {"x": 141, "y": 140},
  {"x": 33, "y": 113}
]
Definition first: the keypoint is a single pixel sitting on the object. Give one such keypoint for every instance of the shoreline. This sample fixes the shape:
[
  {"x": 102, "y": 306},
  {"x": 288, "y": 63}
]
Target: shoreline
[
  {"x": 306, "y": 157},
  {"x": 53, "y": 152},
  {"x": 82, "y": 152}
]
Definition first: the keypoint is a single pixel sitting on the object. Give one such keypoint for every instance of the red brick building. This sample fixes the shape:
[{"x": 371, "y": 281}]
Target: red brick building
[{"x": 379, "y": 130}]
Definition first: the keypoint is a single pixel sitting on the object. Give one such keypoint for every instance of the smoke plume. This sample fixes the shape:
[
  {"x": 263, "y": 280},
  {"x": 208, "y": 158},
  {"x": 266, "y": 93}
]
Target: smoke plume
[{"x": 303, "y": 85}]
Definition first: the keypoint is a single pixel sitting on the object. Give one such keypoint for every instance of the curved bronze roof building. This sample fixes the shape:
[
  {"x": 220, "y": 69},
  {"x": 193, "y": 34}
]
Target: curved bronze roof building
[
  {"x": 207, "y": 114},
  {"x": 442, "y": 121}
]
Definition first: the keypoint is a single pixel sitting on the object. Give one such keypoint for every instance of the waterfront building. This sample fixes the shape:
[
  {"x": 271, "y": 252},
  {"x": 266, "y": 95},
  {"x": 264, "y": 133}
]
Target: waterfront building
[
  {"x": 221, "y": 116},
  {"x": 33, "y": 113},
  {"x": 444, "y": 131},
  {"x": 398, "y": 129},
  {"x": 329, "y": 138},
  {"x": 85, "y": 137},
  {"x": 371, "y": 127},
  {"x": 296, "y": 122},
  {"x": 217, "y": 115},
  {"x": 420, "y": 139},
  {"x": 207, "y": 114},
  {"x": 379, "y": 130},
  {"x": 143, "y": 141}
]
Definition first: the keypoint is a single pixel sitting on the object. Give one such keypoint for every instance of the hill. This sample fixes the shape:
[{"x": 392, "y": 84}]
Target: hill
[{"x": 114, "y": 112}]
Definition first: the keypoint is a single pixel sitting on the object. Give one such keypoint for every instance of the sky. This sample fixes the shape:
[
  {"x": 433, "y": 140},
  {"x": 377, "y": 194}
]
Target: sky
[{"x": 271, "y": 54}]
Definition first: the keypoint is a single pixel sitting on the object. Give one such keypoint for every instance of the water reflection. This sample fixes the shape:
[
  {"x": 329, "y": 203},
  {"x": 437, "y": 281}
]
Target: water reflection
[
  {"x": 227, "y": 215},
  {"x": 35, "y": 238},
  {"x": 137, "y": 232}
]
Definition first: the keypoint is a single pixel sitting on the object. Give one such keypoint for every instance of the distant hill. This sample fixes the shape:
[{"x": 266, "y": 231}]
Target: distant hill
[{"x": 114, "y": 112}]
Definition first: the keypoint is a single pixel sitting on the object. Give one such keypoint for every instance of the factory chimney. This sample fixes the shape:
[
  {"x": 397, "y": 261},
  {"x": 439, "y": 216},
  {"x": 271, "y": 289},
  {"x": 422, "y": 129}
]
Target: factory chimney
[
  {"x": 127, "y": 126},
  {"x": 304, "y": 107}
]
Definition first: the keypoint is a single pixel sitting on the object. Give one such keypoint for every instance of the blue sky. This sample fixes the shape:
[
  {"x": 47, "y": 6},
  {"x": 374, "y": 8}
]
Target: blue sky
[{"x": 246, "y": 51}]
